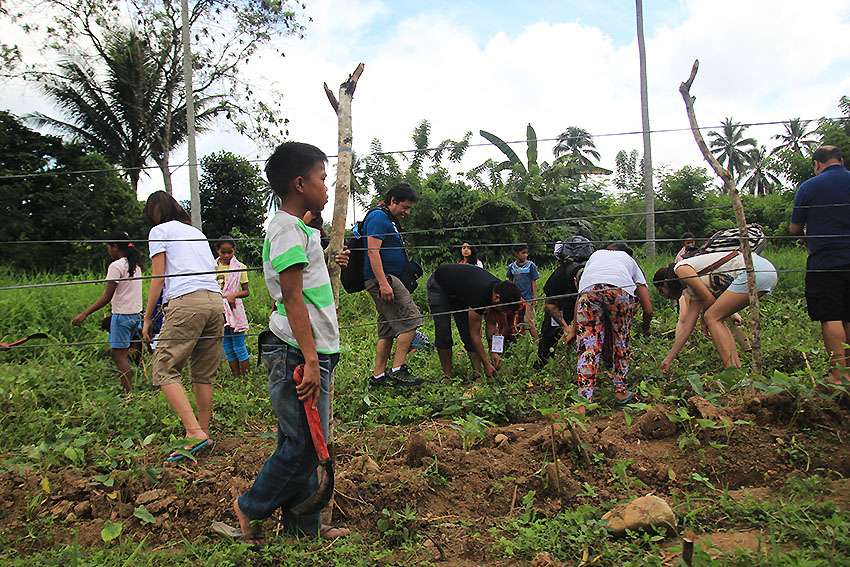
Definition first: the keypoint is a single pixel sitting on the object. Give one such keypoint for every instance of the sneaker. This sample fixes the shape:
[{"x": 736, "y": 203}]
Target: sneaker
[
  {"x": 403, "y": 377},
  {"x": 376, "y": 381}
]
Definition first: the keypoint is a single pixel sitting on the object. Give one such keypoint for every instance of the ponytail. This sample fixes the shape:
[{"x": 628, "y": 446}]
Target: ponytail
[{"x": 121, "y": 239}]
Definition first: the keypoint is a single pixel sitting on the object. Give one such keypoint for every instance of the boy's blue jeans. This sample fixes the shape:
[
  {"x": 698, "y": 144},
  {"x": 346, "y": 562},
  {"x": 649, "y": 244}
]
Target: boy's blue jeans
[{"x": 289, "y": 475}]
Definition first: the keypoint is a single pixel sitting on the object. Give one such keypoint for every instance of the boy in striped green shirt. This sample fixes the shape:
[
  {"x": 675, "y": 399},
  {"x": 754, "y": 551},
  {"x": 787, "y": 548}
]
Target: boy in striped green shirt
[{"x": 304, "y": 330}]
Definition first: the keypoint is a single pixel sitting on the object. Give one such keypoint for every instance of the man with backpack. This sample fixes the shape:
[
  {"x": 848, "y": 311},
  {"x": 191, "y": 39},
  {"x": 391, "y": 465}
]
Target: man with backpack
[
  {"x": 384, "y": 275},
  {"x": 822, "y": 216},
  {"x": 561, "y": 293}
]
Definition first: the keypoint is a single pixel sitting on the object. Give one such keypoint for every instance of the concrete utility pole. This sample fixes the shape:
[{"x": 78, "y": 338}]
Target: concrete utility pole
[
  {"x": 738, "y": 207},
  {"x": 194, "y": 191},
  {"x": 647, "y": 150}
]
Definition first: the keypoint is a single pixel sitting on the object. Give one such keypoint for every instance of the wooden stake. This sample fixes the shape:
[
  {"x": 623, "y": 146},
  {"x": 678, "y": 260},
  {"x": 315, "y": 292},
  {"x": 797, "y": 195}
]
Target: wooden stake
[
  {"x": 342, "y": 108},
  {"x": 738, "y": 207},
  {"x": 688, "y": 551},
  {"x": 557, "y": 470}
]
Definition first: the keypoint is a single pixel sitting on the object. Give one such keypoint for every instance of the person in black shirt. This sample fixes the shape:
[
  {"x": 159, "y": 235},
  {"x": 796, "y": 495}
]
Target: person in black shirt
[
  {"x": 458, "y": 287},
  {"x": 561, "y": 293}
]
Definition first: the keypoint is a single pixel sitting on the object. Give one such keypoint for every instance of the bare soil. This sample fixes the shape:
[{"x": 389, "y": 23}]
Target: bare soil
[{"x": 454, "y": 492}]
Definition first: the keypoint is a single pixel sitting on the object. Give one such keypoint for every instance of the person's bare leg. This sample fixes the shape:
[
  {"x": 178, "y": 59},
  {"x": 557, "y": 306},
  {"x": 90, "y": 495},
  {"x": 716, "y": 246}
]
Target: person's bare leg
[
  {"x": 739, "y": 333},
  {"x": 245, "y": 367},
  {"x": 445, "y": 355},
  {"x": 179, "y": 401},
  {"x": 203, "y": 405},
  {"x": 727, "y": 304},
  {"x": 834, "y": 338},
  {"x": 402, "y": 346},
  {"x": 382, "y": 354},
  {"x": 125, "y": 371},
  {"x": 235, "y": 368},
  {"x": 476, "y": 362}
]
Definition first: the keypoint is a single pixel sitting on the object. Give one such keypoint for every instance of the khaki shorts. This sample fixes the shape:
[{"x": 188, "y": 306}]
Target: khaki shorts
[
  {"x": 196, "y": 314},
  {"x": 398, "y": 316},
  {"x": 528, "y": 319}
]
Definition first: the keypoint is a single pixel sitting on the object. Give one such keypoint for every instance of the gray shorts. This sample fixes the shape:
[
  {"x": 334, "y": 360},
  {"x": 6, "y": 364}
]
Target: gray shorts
[{"x": 398, "y": 316}]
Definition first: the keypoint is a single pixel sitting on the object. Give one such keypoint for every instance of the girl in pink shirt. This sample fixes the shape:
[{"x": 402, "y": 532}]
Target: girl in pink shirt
[
  {"x": 234, "y": 287},
  {"x": 125, "y": 295}
]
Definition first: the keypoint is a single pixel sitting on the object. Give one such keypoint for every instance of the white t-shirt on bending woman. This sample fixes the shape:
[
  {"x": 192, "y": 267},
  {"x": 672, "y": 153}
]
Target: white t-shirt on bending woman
[
  {"x": 732, "y": 268},
  {"x": 186, "y": 252},
  {"x": 614, "y": 268}
]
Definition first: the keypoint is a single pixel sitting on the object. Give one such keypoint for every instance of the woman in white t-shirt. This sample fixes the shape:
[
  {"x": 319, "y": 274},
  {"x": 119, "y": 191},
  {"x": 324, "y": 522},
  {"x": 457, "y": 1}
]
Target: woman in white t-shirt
[
  {"x": 717, "y": 287},
  {"x": 125, "y": 295},
  {"x": 610, "y": 288},
  {"x": 183, "y": 266}
]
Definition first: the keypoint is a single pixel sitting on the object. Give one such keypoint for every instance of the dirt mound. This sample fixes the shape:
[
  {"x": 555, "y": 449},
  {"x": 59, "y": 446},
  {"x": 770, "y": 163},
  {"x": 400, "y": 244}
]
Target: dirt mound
[{"x": 447, "y": 489}]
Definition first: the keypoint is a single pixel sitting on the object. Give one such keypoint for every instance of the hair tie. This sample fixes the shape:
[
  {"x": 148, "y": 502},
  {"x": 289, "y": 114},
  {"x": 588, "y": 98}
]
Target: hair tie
[{"x": 130, "y": 245}]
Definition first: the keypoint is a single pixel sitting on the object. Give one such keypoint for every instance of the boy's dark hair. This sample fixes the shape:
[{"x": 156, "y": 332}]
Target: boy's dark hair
[
  {"x": 162, "y": 207},
  {"x": 226, "y": 239},
  {"x": 667, "y": 275},
  {"x": 508, "y": 293},
  {"x": 520, "y": 246},
  {"x": 401, "y": 192},
  {"x": 826, "y": 153},
  {"x": 291, "y": 160},
  {"x": 121, "y": 239},
  {"x": 688, "y": 236},
  {"x": 621, "y": 246}
]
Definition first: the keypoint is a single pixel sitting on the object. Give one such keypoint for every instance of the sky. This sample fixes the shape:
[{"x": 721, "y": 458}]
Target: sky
[{"x": 468, "y": 65}]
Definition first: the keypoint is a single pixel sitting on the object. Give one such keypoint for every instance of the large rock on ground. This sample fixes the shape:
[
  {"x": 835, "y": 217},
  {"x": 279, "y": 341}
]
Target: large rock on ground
[{"x": 641, "y": 513}]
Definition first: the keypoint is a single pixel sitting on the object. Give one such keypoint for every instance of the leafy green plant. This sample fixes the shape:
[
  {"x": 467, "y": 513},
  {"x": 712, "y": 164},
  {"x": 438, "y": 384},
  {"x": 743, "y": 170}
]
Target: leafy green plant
[
  {"x": 472, "y": 429},
  {"x": 395, "y": 527}
]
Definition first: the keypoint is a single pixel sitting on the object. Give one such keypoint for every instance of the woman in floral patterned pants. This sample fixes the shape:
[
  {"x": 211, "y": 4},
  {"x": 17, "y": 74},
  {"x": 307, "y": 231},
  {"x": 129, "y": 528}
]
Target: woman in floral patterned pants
[{"x": 611, "y": 286}]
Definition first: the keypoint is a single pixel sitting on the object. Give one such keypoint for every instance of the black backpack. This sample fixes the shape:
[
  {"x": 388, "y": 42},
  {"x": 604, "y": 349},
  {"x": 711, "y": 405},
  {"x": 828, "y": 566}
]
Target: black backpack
[
  {"x": 578, "y": 248},
  {"x": 351, "y": 277}
]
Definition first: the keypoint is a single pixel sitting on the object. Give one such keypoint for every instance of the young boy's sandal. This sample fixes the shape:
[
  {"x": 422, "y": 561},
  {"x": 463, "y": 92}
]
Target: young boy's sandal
[{"x": 205, "y": 444}]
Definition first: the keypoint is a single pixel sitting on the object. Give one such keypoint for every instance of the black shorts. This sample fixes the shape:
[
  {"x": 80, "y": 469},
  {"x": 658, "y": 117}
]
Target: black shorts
[{"x": 828, "y": 294}]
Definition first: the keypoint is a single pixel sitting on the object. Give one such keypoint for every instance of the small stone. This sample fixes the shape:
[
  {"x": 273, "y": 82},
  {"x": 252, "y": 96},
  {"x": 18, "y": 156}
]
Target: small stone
[
  {"x": 82, "y": 509},
  {"x": 150, "y": 496},
  {"x": 501, "y": 440},
  {"x": 641, "y": 513}
]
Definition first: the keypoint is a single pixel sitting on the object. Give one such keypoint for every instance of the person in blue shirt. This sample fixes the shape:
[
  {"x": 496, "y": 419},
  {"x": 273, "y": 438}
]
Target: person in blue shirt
[
  {"x": 524, "y": 274},
  {"x": 398, "y": 316},
  {"x": 821, "y": 216}
]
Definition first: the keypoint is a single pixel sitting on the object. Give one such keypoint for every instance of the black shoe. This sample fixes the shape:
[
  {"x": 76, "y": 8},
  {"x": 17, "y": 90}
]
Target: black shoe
[
  {"x": 403, "y": 377},
  {"x": 377, "y": 381}
]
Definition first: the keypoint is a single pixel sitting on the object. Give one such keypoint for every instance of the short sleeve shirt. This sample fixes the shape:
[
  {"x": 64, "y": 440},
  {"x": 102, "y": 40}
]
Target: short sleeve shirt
[
  {"x": 221, "y": 275},
  {"x": 127, "y": 299},
  {"x": 614, "y": 268},
  {"x": 378, "y": 225},
  {"x": 522, "y": 275},
  {"x": 822, "y": 204},
  {"x": 562, "y": 282},
  {"x": 290, "y": 242},
  {"x": 470, "y": 286},
  {"x": 186, "y": 252},
  {"x": 733, "y": 268}
]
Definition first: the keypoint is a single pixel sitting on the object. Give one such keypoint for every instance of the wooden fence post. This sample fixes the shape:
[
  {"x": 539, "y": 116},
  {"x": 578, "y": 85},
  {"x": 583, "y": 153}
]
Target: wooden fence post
[
  {"x": 738, "y": 207},
  {"x": 342, "y": 108}
]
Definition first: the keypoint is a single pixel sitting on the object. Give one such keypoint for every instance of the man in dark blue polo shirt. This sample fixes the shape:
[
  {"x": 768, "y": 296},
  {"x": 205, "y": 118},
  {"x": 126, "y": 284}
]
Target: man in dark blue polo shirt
[{"x": 822, "y": 215}]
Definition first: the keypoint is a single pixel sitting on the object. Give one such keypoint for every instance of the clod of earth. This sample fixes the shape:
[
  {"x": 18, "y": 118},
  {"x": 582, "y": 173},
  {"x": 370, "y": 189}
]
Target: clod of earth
[{"x": 639, "y": 514}]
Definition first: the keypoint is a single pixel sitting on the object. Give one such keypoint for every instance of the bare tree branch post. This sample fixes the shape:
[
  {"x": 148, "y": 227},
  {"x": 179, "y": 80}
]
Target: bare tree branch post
[
  {"x": 342, "y": 108},
  {"x": 738, "y": 207}
]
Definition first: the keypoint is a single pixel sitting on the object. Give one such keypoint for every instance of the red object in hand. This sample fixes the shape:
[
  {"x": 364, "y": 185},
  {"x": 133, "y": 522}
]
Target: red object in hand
[{"x": 313, "y": 420}]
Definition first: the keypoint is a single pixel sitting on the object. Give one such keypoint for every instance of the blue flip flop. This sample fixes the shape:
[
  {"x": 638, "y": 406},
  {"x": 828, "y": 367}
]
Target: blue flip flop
[
  {"x": 206, "y": 443},
  {"x": 627, "y": 399}
]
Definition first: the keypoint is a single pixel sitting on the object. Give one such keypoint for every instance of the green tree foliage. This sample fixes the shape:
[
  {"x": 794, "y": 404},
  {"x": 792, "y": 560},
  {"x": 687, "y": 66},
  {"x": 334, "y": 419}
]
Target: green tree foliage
[
  {"x": 231, "y": 190},
  {"x": 225, "y": 35},
  {"x": 126, "y": 114},
  {"x": 58, "y": 203},
  {"x": 576, "y": 143},
  {"x": 797, "y": 137},
  {"x": 763, "y": 176},
  {"x": 730, "y": 146}
]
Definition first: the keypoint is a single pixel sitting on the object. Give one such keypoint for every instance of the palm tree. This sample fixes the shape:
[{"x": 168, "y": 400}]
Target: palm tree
[
  {"x": 761, "y": 179},
  {"x": 730, "y": 146},
  {"x": 796, "y": 137},
  {"x": 128, "y": 115},
  {"x": 578, "y": 143}
]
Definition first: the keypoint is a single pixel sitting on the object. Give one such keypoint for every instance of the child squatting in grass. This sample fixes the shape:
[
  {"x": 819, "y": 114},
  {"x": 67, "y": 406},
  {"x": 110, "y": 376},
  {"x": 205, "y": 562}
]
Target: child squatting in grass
[{"x": 303, "y": 329}]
